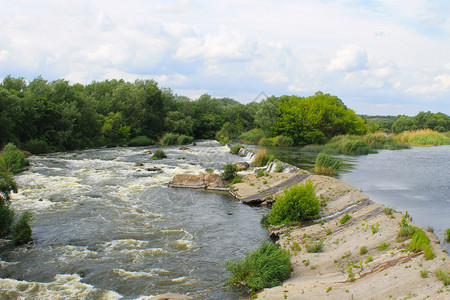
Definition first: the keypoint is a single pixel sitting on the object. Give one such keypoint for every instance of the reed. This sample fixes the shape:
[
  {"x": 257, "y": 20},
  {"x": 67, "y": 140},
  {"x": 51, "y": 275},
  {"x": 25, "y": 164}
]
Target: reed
[
  {"x": 326, "y": 164},
  {"x": 261, "y": 158},
  {"x": 423, "y": 137},
  {"x": 420, "y": 242}
]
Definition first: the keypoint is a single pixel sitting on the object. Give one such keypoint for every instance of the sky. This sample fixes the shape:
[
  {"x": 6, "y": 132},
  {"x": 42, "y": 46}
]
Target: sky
[{"x": 379, "y": 56}]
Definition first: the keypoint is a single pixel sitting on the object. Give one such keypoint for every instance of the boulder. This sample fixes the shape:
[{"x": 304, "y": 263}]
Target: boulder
[
  {"x": 170, "y": 296},
  {"x": 138, "y": 164},
  {"x": 242, "y": 165},
  {"x": 202, "y": 180},
  {"x": 148, "y": 152},
  {"x": 184, "y": 148},
  {"x": 159, "y": 170}
]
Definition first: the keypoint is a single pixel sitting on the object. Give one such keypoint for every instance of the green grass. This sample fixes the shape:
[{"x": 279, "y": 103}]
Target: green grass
[
  {"x": 278, "y": 168},
  {"x": 185, "y": 139},
  {"x": 326, "y": 164},
  {"x": 252, "y": 137},
  {"x": 383, "y": 246},
  {"x": 406, "y": 230},
  {"x": 423, "y": 137},
  {"x": 265, "y": 267},
  {"x": 169, "y": 139},
  {"x": 314, "y": 246},
  {"x": 296, "y": 204},
  {"x": 443, "y": 276},
  {"x": 345, "y": 218},
  {"x": 388, "y": 211},
  {"x": 424, "y": 273},
  {"x": 420, "y": 242},
  {"x": 447, "y": 235}
]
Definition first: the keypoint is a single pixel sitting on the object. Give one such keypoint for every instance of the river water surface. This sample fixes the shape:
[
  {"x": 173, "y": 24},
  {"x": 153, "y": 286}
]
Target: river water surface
[{"x": 104, "y": 227}]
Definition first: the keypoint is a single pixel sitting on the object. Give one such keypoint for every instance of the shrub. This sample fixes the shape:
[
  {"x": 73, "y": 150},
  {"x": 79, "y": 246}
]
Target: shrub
[
  {"x": 260, "y": 173},
  {"x": 387, "y": 211},
  {"x": 447, "y": 235},
  {"x": 169, "y": 139},
  {"x": 345, "y": 218},
  {"x": 298, "y": 203},
  {"x": 252, "y": 137},
  {"x": 420, "y": 242},
  {"x": 36, "y": 146},
  {"x": 7, "y": 185},
  {"x": 314, "y": 246},
  {"x": 424, "y": 273},
  {"x": 209, "y": 170},
  {"x": 443, "y": 276},
  {"x": 261, "y": 158},
  {"x": 6, "y": 218},
  {"x": 283, "y": 141},
  {"x": 264, "y": 267},
  {"x": 141, "y": 141},
  {"x": 326, "y": 164},
  {"x": 235, "y": 149},
  {"x": 363, "y": 250},
  {"x": 229, "y": 172},
  {"x": 12, "y": 159},
  {"x": 159, "y": 154},
  {"x": 184, "y": 139},
  {"x": 22, "y": 231}
]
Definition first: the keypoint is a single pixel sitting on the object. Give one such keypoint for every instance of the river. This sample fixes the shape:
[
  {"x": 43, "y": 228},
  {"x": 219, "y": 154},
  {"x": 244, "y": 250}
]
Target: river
[{"x": 104, "y": 227}]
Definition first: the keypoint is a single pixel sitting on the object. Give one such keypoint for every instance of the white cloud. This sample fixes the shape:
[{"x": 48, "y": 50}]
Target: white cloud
[
  {"x": 351, "y": 58},
  {"x": 440, "y": 84},
  {"x": 3, "y": 55}
]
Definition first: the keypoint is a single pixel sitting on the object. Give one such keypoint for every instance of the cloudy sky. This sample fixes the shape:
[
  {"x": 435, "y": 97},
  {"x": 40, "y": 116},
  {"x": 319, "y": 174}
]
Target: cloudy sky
[{"x": 378, "y": 56}]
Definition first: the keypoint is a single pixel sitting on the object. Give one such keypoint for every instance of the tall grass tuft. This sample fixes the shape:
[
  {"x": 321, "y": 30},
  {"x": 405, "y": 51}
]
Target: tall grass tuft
[
  {"x": 406, "y": 230},
  {"x": 185, "y": 139},
  {"x": 169, "y": 139},
  {"x": 423, "y": 137},
  {"x": 253, "y": 136},
  {"x": 326, "y": 164},
  {"x": 447, "y": 235},
  {"x": 443, "y": 276},
  {"x": 420, "y": 242},
  {"x": 261, "y": 158},
  {"x": 314, "y": 246},
  {"x": 296, "y": 204},
  {"x": 265, "y": 267}
]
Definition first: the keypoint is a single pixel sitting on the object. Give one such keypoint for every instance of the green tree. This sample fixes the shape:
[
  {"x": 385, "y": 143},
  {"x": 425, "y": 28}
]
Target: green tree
[{"x": 403, "y": 123}]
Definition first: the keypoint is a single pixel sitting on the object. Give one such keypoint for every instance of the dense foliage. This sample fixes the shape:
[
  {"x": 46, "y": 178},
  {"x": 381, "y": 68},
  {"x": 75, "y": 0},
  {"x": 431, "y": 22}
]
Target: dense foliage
[
  {"x": 229, "y": 172},
  {"x": 298, "y": 203},
  {"x": 41, "y": 116},
  {"x": 265, "y": 267}
]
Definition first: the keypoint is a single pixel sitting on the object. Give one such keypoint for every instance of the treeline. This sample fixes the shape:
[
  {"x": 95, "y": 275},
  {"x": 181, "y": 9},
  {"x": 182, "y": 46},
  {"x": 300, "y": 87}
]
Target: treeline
[
  {"x": 42, "y": 116},
  {"x": 396, "y": 124}
]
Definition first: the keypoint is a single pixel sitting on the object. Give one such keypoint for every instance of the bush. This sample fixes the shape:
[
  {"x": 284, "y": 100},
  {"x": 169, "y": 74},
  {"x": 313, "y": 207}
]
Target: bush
[
  {"x": 420, "y": 242},
  {"x": 447, "y": 235},
  {"x": 159, "y": 154},
  {"x": 184, "y": 139},
  {"x": 6, "y": 218},
  {"x": 252, "y": 137},
  {"x": 296, "y": 204},
  {"x": 314, "y": 246},
  {"x": 22, "y": 231},
  {"x": 261, "y": 158},
  {"x": 345, "y": 218},
  {"x": 406, "y": 230},
  {"x": 326, "y": 164},
  {"x": 12, "y": 159},
  {"x": 169, "y": 139},
  {"x": 36, "y": 146},
  {"x": 229, "y": 172},
  {"x": 141, "y": 141},
  {"x": 235, "y": 149},
  {"x": 265, "y": 267},
  {"x": 283, "y": 141}
]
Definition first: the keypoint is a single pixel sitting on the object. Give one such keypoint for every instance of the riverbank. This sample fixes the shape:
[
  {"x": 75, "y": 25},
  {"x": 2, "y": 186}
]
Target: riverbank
[{"x": 361, "y": 258}]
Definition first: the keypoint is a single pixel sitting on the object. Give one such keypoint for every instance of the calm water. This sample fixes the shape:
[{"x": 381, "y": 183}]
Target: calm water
[
  {"x": 416, "y": 180},
  {"x": 106, "y": 228}
]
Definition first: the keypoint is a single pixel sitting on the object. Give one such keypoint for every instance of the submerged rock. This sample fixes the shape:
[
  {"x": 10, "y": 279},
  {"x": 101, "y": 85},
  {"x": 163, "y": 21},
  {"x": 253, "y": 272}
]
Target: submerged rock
[
  {"x": 184, "y": 148},
  {"x": 138, "y": 164},
  {"x": 170, "y": 296},
  {"x": 242, "y": 165}
]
